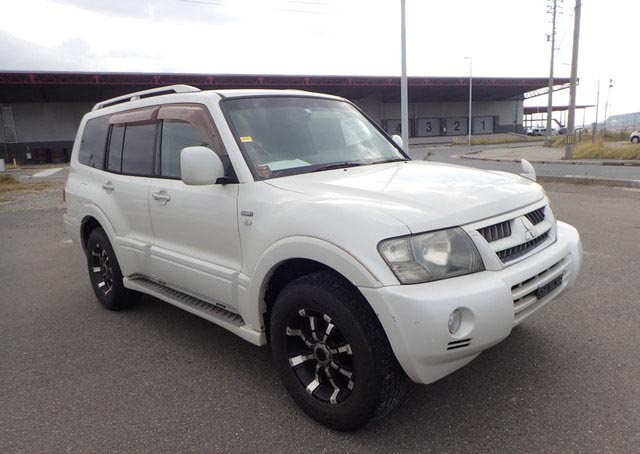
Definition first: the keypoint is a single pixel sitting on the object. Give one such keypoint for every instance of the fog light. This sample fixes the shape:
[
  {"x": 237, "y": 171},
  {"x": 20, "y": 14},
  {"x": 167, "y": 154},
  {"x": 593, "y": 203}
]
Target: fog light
[{"x": 455, "y": 319}]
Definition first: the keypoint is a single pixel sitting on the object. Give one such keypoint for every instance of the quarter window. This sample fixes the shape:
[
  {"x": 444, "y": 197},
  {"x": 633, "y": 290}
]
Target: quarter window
[{"x": 93, "y": 143}]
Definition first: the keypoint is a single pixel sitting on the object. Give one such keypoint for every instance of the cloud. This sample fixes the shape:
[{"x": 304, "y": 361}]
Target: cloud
[
  {"x": 76, "y": 54},
  {"x": 196, "y": 11},
  {"x": 21, "y": 55},
  {"x": 342, "y": 37}
]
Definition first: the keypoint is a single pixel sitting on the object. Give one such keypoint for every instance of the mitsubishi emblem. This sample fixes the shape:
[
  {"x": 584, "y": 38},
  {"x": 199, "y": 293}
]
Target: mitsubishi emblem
[{"x": 529, "y": 233}]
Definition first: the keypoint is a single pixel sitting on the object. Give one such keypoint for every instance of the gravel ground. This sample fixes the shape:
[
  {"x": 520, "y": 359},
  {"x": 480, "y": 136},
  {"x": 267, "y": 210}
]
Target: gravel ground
[{"x": 46, "y": 199}]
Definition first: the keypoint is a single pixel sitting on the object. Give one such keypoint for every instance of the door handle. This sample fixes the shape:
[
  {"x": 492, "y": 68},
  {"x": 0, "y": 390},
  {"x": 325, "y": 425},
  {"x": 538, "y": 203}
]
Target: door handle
[
  {"x": 108, "y": 187},
  {"x": 161, "y": 195}
]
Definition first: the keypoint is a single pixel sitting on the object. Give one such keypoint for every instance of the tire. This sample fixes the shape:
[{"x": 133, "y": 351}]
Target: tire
[
  {"x": 635, "y": 139},
  {"x": 346, "y": 378},
  {"x": 105, "y": 273}
]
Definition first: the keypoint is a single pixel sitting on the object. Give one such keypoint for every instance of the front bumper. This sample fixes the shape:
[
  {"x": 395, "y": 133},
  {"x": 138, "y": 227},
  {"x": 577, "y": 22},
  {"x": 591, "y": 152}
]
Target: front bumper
[{"x": 415, "y": 317}]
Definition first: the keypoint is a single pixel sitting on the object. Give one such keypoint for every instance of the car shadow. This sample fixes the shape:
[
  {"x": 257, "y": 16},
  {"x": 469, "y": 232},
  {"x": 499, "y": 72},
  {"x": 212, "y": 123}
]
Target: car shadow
[{"x": 495, "y": 391}]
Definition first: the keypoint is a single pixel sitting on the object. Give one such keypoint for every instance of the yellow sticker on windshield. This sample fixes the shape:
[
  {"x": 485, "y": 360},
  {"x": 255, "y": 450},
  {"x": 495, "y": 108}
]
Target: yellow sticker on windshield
[{"x": 246, "y": 139}]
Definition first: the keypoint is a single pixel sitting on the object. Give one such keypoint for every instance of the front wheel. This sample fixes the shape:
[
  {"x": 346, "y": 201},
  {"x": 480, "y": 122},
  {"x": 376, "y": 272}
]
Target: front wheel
[
  {"x": 635, "y": 139},
  {"x": 332, "y": 353}
]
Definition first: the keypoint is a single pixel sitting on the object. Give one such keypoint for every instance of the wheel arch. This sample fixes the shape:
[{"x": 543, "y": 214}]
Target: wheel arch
[
  {"x": 290, "y": 259},
  {"x": 93, "y": 217},
  {"x": 88, "y": 225}
]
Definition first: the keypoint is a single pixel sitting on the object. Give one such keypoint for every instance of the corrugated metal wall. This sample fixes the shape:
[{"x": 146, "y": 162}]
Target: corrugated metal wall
[{"x": 48, "y": 121}]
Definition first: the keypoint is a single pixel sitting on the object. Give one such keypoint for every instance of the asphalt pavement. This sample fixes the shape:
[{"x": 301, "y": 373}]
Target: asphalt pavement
[{"x": 77, "y": 378}]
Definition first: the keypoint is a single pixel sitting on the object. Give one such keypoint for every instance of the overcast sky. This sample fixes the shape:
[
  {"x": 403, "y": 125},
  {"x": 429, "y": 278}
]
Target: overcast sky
[{"x": 341, "y": 37}]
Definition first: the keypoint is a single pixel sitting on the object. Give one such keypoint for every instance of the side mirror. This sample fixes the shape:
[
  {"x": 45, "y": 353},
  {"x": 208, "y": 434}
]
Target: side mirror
[
  {"x": 398, "y": 140},
  {"x": 200, "y": 166}
]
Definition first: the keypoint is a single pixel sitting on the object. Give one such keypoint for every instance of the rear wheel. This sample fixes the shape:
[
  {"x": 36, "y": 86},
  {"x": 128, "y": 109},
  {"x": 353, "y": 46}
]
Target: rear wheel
[
  {"x": 105, "y": 273},
  {"x": 332, "y": 353},
  {"x": 635, "y": 139}
]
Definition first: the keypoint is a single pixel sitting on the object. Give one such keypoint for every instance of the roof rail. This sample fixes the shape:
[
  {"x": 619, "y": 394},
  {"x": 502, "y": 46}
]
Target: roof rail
[{"x": 145, "y": 94}]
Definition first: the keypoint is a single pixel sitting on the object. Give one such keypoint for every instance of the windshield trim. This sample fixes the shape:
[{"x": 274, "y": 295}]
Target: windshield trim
[{"x": 247, "y": 161}]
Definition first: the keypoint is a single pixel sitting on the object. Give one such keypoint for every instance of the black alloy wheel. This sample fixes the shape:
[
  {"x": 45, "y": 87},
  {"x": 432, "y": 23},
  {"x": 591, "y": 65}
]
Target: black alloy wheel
[
  {"x": 101, "y": 265},
  {"x": 332, "y": 353},
  {"x": 320, "y": 356}
]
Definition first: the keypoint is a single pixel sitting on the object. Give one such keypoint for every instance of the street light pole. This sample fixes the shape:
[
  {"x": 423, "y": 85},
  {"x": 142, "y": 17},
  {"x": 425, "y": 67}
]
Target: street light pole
[
  {"x": 571, "y": 123},
  {"x": 595, "y": 125},
  {"x": 470, "y": 95},
  {"x": 404, "y": 103},
  {"x": 547, "y": 134},
  {"x": 606, "y": 106}
]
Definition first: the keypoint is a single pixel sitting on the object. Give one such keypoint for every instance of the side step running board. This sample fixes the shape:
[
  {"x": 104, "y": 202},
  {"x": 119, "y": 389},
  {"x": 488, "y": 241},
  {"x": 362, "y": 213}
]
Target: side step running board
[{"x": 222, "y": 317}]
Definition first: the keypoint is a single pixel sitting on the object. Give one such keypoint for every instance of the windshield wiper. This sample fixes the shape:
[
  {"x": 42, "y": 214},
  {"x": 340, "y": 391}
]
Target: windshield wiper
[
  {"x": 390, "y": 160},
  {"x": 338, "y": 165}
]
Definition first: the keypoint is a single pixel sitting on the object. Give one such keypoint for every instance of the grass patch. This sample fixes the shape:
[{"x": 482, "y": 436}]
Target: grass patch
[
  {"x": 6, "y": 178},
  {"x": 614, "y": 136},
  {"x": 494, "y": 140},
  {"x": 602, "y": 150},
  {"x": 9, "y": 184}
]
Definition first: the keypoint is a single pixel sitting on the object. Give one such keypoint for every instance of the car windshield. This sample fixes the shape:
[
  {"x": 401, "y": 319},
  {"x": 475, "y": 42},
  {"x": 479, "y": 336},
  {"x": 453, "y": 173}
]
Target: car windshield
[{"x": 283, "y": 135}]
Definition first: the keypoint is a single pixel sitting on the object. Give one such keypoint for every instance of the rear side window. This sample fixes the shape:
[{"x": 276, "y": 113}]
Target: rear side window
[
  {"x": 94, "y": 139},
  {"x": 138, "y": 149},
  {"x": 176, "y": 135}
]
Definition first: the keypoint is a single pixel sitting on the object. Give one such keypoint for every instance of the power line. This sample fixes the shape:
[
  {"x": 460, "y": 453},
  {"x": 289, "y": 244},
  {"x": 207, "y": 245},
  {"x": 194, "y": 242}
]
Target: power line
[{"x": 566, "y": 30}]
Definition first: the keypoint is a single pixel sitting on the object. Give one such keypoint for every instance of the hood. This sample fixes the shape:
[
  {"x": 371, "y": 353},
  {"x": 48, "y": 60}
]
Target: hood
[{"x": 422, "y": 195}]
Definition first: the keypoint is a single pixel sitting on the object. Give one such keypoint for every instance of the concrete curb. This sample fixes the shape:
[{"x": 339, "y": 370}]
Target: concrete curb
[
  {"x": 549, "y": 161},
  {"x": 590, "y": 181},
  {"x": 512, "y": 145},
  {"x": 568, "y": 179}
]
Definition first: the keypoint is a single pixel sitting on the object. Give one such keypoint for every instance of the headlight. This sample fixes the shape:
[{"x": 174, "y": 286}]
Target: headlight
[{"x": 431, "y": 256}]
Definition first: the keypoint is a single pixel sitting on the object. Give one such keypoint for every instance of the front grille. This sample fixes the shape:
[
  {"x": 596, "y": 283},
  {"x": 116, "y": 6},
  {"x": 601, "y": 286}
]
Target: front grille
[
  {"x": 514, "y": 252},
  {"x": 536, "y": 216},
  {"x": 496, "y": 232}
]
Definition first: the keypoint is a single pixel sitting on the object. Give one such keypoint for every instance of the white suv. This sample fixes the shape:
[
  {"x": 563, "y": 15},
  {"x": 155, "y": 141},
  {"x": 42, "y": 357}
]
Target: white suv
[{"x": 290, "y": 218}]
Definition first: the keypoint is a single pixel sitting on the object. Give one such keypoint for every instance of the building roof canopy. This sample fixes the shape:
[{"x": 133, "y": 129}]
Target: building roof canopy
[{"x": 91, "y": 87}]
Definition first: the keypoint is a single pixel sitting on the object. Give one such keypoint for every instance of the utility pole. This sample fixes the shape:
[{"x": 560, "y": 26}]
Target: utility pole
[
  {"x": 553, "y": 11},
  {"x": 571, "y": 123},
  {"x": 404, "y": 102},
  {"x": 606, "y": 106},
  {"x": 470, "y": 94},
  {"x": 595, "y": 125}
]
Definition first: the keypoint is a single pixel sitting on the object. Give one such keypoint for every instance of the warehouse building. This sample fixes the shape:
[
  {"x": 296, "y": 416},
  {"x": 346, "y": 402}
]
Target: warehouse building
[{"x": 40, "y": 112}]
